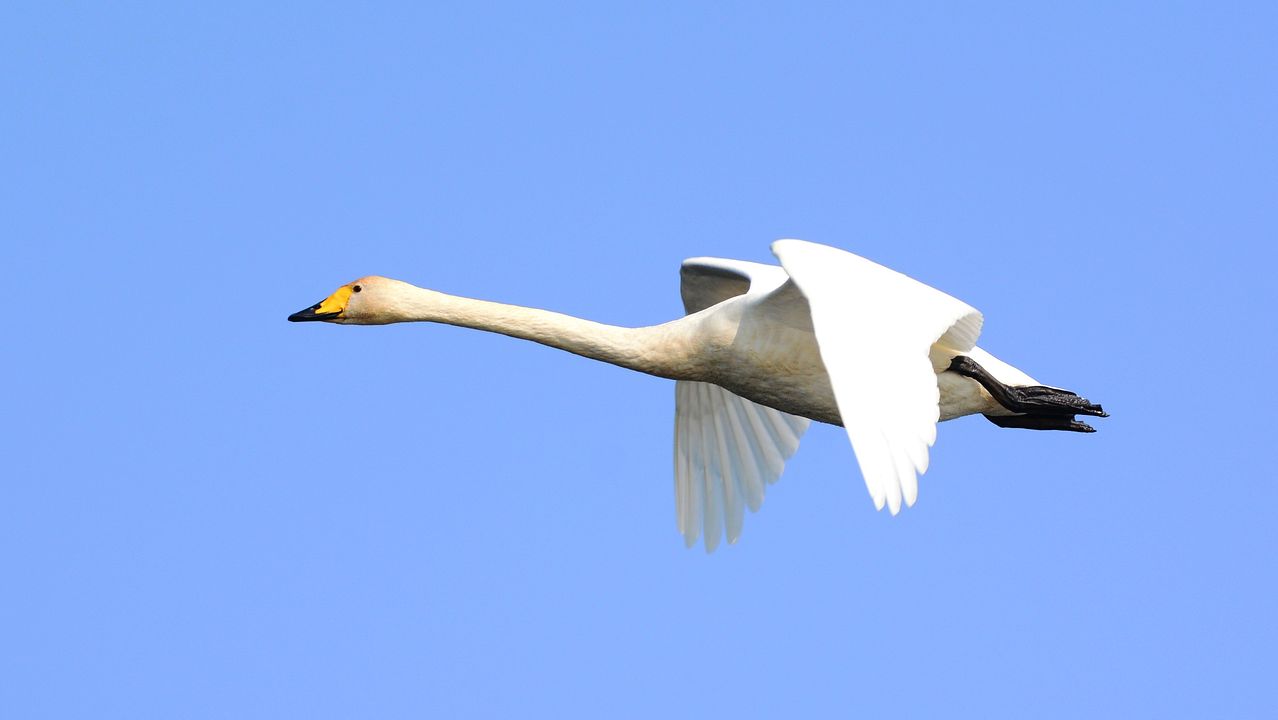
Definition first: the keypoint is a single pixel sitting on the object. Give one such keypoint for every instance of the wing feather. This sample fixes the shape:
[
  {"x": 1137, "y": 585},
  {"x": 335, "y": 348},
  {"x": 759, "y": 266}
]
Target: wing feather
[
  {"x": 749, "y": 462},
  {"x": 769, "y": 448},
  {"x": 729, "y": 476},
  {"x": 874, "y": 328},
  {"x": 704, "y": 282},
  {"x": 712, "y": 511},
  {"x": 727, "y": 450},
  {"x": 696, "y": 466},
  {"x": 685, "y": 508}
]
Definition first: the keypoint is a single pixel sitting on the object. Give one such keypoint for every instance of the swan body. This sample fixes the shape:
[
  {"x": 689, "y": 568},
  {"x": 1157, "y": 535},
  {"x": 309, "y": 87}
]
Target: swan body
[{"x": 763, "y": 350}]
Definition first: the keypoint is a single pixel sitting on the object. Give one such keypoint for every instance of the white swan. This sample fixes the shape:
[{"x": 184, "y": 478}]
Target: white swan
[{"x": 828, "y": 336}]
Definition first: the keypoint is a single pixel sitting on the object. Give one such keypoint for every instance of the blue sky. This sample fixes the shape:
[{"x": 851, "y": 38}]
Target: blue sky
[{"x": 210, "y": 512}]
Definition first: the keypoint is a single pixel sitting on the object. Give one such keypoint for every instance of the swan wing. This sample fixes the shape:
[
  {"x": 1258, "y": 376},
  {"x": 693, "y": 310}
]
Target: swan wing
[
  {"x": 874, "y": 328},
  {"x": 705, "y": 282},
  {"x": 727, "y": 450}
]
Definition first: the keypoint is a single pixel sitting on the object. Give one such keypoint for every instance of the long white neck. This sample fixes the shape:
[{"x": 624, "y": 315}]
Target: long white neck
[{"x": 662, "y": 350}]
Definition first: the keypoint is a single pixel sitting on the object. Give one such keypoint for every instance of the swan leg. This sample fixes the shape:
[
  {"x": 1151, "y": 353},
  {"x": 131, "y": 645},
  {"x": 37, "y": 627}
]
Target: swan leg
[
  {"x": 1041, "y": 407},
  {"x": 1041, "y": 422}
]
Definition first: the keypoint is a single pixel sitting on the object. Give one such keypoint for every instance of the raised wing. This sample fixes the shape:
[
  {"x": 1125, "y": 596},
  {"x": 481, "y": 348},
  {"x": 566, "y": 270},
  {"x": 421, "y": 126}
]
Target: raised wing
[
  {"x": 875, "y": 329},
  {"x": 705, "y": 282},
  {"x": 727, "y": 448}
]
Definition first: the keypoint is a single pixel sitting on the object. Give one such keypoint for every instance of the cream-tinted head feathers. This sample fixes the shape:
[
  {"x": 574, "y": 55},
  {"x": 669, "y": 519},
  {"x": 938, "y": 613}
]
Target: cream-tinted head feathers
[{"x": 371, "y": 300}]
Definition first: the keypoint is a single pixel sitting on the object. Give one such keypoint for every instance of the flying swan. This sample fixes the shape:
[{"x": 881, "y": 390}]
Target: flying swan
[{"x": 762, "y": 351}]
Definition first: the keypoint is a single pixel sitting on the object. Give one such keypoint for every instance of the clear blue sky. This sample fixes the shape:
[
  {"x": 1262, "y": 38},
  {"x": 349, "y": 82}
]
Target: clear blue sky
[{"x": 210, "y": 512}]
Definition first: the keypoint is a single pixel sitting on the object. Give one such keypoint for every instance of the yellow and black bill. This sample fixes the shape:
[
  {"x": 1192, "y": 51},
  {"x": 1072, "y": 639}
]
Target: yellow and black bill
[
  {"x": 329, "y": 308},
  {"x": 313, "y": 312}
]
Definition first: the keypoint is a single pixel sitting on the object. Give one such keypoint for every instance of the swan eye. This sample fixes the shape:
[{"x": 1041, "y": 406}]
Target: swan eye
[{"x": 356, "y": 288}]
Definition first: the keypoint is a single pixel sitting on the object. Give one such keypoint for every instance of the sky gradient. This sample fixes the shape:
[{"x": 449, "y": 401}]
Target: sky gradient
[{"x": 209, "y": 512}]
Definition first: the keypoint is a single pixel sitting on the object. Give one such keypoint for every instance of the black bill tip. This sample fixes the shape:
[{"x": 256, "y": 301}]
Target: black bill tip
[{"x": 310, "y": 314}]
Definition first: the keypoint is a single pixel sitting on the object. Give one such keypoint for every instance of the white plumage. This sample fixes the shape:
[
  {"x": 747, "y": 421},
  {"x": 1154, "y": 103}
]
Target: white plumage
[
  {"x": 727, "y": 450},
  {"x": 763, "y": 350},
  {"x": 881, "y": 338}
]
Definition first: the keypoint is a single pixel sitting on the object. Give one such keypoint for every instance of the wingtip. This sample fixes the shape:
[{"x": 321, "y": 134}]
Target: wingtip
[
  {"x": 779, "y": 246},
  {"x": 711, "y": 543}
]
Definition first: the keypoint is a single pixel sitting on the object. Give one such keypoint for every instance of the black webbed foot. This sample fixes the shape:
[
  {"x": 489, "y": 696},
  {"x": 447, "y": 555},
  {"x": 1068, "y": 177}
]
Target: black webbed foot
[
  {"x": 1040, "y": 399},
  {"x": 1041, "y": 422},
  {"x": 1041, "y": 407}
]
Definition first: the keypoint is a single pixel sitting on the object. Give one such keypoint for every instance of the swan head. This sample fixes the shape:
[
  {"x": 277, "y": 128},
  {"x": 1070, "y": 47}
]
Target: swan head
[{"x": 369, "y": 300}]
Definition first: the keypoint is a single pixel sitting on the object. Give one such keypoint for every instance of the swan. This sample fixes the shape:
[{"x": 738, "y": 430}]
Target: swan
[{"x": 763, "y": 350}]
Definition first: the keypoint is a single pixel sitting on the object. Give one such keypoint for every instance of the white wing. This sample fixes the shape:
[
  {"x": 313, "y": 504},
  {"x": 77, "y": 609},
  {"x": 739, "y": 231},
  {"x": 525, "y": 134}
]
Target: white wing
[
  {"x": 704, "y": 282},
  {"x": 727, "y": 448},
  {"x": 875, "y": 328}
]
